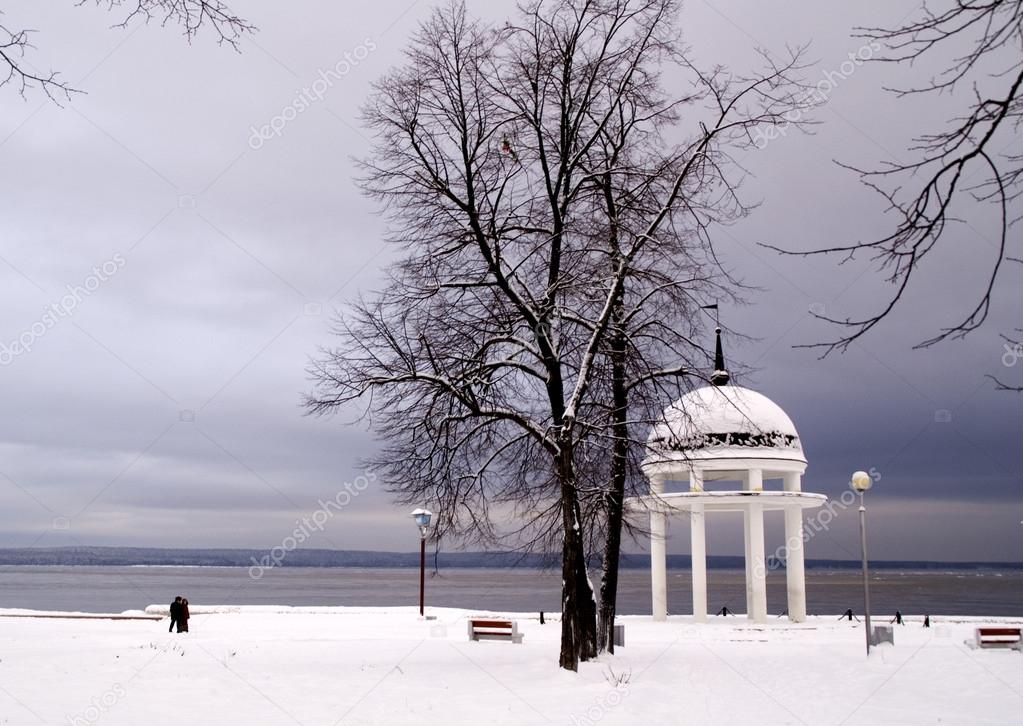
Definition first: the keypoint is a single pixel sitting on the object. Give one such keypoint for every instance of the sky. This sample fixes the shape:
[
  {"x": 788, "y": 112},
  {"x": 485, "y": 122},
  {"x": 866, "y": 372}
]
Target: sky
[{"x": 174, "y": 270}]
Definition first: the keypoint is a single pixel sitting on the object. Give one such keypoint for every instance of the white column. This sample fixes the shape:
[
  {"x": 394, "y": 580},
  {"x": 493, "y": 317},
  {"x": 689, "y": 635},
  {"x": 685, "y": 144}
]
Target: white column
[
  {"x": 795, "y": 578},
  {"x": 746, "y": 552},
  {"x": 758, "y": 610},
  {"x": 658, "y": 556},
  {"x": 756, "y": 565},
  {"x": 746, "y": 561},
  {"x": 698, "y": 548},
  {"x": 755, "y": 480}
]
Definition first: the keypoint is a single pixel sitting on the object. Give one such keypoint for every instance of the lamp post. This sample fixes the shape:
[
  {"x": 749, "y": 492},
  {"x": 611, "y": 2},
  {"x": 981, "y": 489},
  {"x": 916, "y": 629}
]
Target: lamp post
[
  {"x": 860, "y": 483},
  {"x": 422, "y": 518}
]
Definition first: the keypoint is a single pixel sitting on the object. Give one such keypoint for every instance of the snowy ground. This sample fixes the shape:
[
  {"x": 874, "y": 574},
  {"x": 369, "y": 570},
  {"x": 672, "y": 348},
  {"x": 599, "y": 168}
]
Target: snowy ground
[{"x": 266, "y": 665}]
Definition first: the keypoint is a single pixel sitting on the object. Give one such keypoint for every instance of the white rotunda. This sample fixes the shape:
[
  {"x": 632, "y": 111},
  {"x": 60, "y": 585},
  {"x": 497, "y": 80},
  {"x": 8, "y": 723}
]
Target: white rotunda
[{"x": 726, "y": 433}]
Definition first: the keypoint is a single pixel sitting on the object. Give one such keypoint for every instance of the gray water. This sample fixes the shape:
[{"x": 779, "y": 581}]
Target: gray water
[{"x": 113, "y": 589}]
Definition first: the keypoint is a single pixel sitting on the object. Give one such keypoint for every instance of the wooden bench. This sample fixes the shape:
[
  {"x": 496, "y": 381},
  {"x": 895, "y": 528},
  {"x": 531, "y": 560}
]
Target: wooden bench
[
  {"x": 494, "y": 629},
  {"x": 999, "y": 638}
]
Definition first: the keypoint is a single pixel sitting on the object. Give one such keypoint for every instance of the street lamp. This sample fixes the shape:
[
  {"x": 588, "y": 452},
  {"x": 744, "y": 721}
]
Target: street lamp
[
  {"x": 422, "y": 517},
  {"x": 860, "y": 483}
]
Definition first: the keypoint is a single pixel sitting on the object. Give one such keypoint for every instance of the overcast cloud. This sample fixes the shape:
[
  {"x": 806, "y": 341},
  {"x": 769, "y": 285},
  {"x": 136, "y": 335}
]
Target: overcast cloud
[{"x": 194, "y": 268}]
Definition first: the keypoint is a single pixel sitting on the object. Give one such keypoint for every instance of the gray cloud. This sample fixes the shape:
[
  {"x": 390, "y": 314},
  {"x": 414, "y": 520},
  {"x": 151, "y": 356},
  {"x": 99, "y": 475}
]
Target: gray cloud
[{"x": 236, "y": 256}]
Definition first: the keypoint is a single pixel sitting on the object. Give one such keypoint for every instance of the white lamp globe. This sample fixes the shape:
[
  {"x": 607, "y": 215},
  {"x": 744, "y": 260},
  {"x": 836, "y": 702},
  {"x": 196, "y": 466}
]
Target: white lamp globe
[{"x": 861, "y": 481}]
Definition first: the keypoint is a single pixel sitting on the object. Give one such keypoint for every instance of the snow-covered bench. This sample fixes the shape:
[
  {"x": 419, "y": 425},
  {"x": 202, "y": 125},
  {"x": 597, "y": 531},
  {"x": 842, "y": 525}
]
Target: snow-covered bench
[
  {"x": 493, "y": 629},
  {"x": 999, "y": 638}
]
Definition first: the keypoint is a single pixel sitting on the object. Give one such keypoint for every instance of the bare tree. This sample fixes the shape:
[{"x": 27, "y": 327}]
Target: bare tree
[
  {"x": 979, "y": 44},
  {"x": 650, "y": 350},
  {"x": 496, "y": 155},
  {"x": 190, "y": 15}
]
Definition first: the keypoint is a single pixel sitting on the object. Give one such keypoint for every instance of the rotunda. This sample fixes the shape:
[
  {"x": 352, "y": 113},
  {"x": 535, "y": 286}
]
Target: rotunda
[{"x": 717, "y": 434}]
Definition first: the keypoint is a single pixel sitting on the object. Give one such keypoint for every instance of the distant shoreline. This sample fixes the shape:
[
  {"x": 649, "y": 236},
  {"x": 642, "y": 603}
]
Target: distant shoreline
[
  {"x": 877, "y": 568},
  {"x": 356, "y": 559}
]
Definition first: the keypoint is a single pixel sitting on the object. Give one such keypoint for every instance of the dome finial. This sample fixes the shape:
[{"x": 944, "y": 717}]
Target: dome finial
[{"x": 720, "y": 376}]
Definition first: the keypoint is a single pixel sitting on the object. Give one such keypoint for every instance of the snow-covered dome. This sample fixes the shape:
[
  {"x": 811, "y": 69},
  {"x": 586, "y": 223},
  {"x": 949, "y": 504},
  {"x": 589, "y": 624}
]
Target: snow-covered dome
[{"x": 724, "y": 422}]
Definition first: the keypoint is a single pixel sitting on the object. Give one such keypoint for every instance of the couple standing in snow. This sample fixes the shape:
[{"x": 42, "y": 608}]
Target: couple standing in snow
[{"x": 179, "y": 614}]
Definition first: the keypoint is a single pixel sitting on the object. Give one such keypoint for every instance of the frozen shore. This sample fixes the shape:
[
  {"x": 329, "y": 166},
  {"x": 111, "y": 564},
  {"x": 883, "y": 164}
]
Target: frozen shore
[{"x": 321, "y": 665}]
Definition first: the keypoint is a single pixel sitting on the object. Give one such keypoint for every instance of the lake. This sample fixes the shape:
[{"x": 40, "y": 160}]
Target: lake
[{"x": 113, "y": 589}]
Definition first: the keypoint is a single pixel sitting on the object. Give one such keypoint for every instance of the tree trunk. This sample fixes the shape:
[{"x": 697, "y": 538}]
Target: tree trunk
[
  {"x": 578, "y": 609},
  {"x": 615, "y": 494}
]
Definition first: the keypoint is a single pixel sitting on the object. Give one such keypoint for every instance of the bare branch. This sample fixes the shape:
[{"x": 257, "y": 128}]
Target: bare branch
[
  {"x": 923, "y": 194},
  {"x": 13, "y": 44},
  {"x": 190, "y": 15}
]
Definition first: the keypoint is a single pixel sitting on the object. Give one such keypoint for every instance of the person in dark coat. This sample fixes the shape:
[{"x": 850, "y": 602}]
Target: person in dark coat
[
  {"x": 175, "y": 614},
  {"x": 183, "y": 616}
]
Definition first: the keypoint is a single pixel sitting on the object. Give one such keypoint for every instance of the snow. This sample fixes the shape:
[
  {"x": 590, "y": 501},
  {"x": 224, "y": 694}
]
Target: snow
[
  {"x": 285, "y": 665},
  {"x": 723, "y": 409},
  {"x": 717, "y": 410},
  {"x": 677, "y": 502}
]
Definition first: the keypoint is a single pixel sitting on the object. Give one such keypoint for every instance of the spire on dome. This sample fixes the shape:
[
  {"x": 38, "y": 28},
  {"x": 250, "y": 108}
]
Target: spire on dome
[{"x": 720, "y": 376}]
